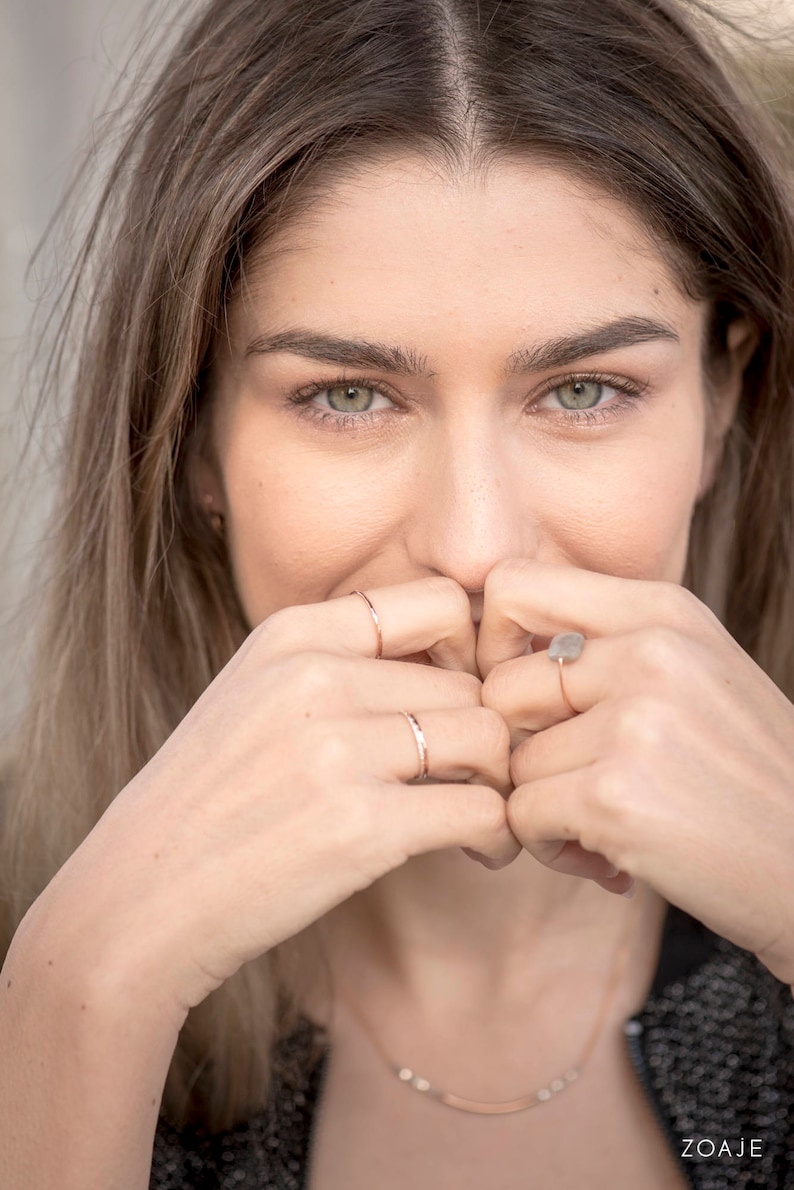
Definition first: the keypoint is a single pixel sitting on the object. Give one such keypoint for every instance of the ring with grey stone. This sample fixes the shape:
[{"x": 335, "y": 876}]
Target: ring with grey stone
[{"x": 564, "y": 648}]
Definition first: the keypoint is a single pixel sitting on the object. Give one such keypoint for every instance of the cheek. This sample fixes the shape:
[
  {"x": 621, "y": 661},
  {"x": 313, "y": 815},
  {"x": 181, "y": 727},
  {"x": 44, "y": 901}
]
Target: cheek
[
  {"x": 297, "y": 525},
  {"x": 628, "y": 506}
]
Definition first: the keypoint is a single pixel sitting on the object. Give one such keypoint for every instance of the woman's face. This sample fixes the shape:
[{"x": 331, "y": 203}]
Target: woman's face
[{"x": 501, "y": 367}]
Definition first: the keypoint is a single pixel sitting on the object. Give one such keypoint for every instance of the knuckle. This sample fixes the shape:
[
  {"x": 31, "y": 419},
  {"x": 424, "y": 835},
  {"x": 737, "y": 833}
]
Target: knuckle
[
  {"x": 313, "y": 675},
  {"x": 501, "y": 577},
  {"x": 524, "y": 757},
  {"x": 680, "y": 606},
  {"x": 518, "y": 769},
  {"x": 496, "y": 734},
  {"x": 642, "y": 722},
  {"x": 518, "y": 808},
  {"x": 456, "y": 597},
  {"x": 331, "y": 750},
  {"x": 662, "y": 651},
  {"x": 613, "y": 800},
  {"x": 494, "y": 688},
  {"x": 609, "y": 788},
  {"x": 491, "y": 811},
  {"x": 277, "y": 631},
  {"x": 620, "y": 803},
  {"x": 469, "y": 687},
  {"x": 449, "y": 590},
  {"x": 367, "y": 840}
]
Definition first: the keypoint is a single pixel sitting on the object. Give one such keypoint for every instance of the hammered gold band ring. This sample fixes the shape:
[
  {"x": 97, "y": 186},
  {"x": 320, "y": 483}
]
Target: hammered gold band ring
[
  {"x": 421, "y": 746},
  {"x": 564, "y": 648}
]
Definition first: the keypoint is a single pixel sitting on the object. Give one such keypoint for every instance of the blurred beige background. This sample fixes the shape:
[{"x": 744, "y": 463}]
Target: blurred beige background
[{"x": 59, "y": 60}]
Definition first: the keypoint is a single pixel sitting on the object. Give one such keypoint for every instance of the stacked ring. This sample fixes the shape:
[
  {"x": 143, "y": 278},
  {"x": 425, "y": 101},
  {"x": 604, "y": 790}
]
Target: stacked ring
[
  {"x": 413, "y": 722},
  {"x": 421, "y": 745}
]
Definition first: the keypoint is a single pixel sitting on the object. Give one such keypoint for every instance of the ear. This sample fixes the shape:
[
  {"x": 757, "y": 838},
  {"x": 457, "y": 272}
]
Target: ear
[
  {"x": 724, "y": 393},
  {"x": 204, "y": 477}
]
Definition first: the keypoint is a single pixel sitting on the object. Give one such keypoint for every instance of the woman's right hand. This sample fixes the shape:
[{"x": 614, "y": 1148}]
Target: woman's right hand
[{"x": 287, "y": 788}]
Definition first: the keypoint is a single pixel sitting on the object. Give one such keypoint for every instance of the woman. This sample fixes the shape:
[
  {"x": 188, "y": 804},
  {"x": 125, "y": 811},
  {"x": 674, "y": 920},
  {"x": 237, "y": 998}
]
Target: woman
[{"x": 425, "y": 334}]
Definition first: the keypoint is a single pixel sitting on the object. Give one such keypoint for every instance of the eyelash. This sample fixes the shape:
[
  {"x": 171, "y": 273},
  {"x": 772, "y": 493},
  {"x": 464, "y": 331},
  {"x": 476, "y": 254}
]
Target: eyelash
[{"x": 628, "y": 392}]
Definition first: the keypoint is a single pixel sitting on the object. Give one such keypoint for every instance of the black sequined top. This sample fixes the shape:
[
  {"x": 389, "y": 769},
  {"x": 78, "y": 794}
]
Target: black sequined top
[{"x": 713, "y": 1047}]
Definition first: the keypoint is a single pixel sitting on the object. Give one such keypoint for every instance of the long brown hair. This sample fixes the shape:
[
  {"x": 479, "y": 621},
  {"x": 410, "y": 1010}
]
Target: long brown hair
[{"x": 259, "y": 104}]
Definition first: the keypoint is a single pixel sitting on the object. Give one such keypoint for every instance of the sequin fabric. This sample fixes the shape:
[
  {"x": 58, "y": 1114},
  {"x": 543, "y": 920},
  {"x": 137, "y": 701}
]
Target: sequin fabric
[
  {"x": 270, "y": 1152},
  {"x": 719, "y": 1054},
  {"x": 713, "y": 1048}
]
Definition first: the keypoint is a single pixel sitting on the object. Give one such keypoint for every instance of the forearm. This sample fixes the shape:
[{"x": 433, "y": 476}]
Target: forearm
[{"x": 82, "y": 1068}]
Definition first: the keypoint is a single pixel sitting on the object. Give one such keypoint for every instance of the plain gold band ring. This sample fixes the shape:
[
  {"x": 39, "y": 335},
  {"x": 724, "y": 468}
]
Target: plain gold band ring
[
  {"x": 566, "y": 647},
  {"x": 374, "y": 615},
  {"x": 421, "y": 745}
]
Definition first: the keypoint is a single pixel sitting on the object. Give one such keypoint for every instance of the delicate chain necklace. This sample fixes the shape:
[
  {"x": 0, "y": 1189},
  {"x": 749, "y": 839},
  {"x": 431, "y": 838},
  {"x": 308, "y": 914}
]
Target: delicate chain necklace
[{"x": 535, "y": 1098}]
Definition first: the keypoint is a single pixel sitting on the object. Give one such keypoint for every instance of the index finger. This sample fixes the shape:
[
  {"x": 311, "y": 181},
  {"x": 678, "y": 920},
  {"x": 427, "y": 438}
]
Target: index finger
[
  {"x": 429, "y": 616},
  {"x": 528, "y": 602}
]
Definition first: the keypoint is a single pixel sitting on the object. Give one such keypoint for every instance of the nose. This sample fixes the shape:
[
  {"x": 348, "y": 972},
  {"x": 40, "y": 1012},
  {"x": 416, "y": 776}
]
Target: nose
[{"x": 473, "y": 507}]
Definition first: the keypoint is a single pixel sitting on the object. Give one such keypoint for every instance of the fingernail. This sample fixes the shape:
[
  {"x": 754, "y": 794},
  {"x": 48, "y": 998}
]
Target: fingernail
[{"x": 630, "y": 891}]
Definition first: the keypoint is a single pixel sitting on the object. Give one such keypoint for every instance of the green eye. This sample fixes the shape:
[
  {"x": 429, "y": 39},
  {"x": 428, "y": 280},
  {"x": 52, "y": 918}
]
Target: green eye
[
  {"x": 580, "y": 394},
  {"x": 351, "y": 398}
]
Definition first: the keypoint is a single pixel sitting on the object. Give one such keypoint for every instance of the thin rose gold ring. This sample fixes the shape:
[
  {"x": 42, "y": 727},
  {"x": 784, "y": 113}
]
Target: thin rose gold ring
[
  {"x": 565, "y": 697},
  {"x": 374, "y": 615},
  {"x": 421, "y": 746},
  {"x": 564, "y": 648}
]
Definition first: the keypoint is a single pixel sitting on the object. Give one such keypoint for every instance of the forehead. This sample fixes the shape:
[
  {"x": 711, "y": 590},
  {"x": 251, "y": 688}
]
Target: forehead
[{"x": 398, "y": 245}]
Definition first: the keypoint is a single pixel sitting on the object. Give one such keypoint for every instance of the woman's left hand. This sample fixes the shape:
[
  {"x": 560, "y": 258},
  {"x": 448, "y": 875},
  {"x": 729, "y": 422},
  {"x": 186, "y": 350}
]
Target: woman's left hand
[{"x": 678, "y": 768}]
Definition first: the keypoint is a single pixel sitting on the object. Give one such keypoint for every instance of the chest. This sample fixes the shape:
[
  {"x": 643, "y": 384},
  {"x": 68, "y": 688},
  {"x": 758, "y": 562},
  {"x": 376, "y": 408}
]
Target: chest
[{"x": 372, "y": 1130}]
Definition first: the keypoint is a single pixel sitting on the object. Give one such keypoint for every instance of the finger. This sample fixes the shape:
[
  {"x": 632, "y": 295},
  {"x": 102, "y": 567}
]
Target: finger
[
  {"x": 523, "y": 597},
  {"x": 341, "y": 682},
  {"x": 562, "y": 748},
  {"x": 527, "y": 691},
  {"x": 565, "y": 748},
  {"x": 429, "y": 616},
  {"x": 432, "y": 817},
  {"x": 572, "y": 859},
  {"x": 527, "y": 694},
  {"x": 469, "y": 744},
  {"x": 555, "y": 821},
  {"x": 493, "y": 865}
]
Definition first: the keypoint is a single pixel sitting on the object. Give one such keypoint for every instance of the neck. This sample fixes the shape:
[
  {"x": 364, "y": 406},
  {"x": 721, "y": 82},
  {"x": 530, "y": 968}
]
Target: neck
[{"x": 443, "y": 930}]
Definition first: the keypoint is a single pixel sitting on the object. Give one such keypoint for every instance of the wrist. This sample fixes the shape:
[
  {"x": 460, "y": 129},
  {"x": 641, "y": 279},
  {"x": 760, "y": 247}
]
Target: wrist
[
  {"x": 86, "y": 963},
  {"x": 83, "y": 1070}
]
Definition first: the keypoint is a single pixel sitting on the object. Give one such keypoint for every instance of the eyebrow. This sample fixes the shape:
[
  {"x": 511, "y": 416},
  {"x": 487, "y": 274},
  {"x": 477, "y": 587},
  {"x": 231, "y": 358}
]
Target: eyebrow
[{"x": 387, "y": 357}]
